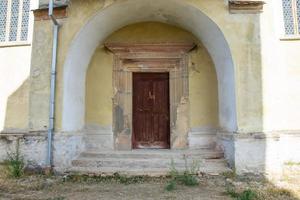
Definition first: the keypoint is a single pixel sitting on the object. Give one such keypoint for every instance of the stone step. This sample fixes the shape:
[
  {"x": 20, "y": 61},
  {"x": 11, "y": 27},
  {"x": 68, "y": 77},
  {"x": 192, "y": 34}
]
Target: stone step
[
  {"x": 152, "y": 154},
  {"x": 135, "y": 171},
  {"x": 142, "y": 163},
  {"x": 149, "y": 162}
]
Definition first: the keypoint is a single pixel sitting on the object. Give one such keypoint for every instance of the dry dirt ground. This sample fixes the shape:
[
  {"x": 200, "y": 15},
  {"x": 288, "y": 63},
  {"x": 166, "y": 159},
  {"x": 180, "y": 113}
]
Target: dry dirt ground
[{"x": 77, "y": 187}]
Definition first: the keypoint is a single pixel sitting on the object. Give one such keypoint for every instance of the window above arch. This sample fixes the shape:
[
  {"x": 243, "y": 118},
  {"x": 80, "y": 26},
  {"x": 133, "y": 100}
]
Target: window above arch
[
  {"x": 14, "y": 22},
  {"x": 291, "y": 17}
]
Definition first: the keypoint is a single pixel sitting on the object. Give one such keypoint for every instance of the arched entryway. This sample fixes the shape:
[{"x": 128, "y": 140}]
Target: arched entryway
[
  {"x": 120, "y": 14},
  {"x": 152, "y": 85}
]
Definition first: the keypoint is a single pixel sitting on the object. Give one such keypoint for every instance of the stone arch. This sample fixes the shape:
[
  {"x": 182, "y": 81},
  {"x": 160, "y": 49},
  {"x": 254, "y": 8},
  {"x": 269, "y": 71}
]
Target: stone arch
[{"x": 112, "y": 18}]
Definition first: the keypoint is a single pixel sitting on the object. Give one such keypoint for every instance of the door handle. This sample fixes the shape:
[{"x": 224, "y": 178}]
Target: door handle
[{"x": 151, "y": 96}]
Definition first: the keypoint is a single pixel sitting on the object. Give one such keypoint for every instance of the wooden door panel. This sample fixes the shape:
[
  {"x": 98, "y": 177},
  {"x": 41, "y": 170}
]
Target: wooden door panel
[
  {"x": 151, "y": 124},
  {"x": 142, "y": 101}
]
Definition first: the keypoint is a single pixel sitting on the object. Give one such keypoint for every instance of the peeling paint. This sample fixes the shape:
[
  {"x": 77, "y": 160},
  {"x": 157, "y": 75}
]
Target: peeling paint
[{"x": 179, "y": 136}]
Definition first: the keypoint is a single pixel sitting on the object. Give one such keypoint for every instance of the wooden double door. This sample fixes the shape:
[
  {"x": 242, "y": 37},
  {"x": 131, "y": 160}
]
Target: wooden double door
[{"x": 151, "y": 111}]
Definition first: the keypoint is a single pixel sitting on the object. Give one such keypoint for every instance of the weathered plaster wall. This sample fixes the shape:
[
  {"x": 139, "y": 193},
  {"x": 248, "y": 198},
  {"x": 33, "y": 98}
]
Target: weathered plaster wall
[
  {"x": 202, "y": 77},
  {"x": 34, "y": 149},
  {"x": 40, "y": 76}
]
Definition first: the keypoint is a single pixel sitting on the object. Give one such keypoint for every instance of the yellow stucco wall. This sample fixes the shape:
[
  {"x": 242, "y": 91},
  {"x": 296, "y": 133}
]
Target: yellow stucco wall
[
  {"x": 99, "y": 88},
  {"x": 40, "y": 73},
  {"x": 266, "y": 84},
  {"x": 17, "y": 108},
  {"x": 202, "y": 76},
  {"x": 244, "y": 44},
  {"x": 203, "y": 90},
  {"x": 248, "y": 81}
]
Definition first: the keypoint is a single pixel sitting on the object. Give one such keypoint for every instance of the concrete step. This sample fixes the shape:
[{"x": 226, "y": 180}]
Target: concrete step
[
  {"x": 138, "y": 171},
  {"x": 142, "y": 163},
  {"x": 148, "y": 162},
  {"x": 122, "y": 171},
  {"x": 152, "y": 154}
]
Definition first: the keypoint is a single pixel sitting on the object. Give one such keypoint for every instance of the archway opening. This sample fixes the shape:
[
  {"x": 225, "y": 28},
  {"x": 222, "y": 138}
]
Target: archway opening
[
  {"x": 188, "y": 119},
  {"x": 110, "y": 19}
]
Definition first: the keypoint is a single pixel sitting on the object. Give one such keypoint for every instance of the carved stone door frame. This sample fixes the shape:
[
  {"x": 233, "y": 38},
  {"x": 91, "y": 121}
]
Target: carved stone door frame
[{"x": 169, "y": 57}]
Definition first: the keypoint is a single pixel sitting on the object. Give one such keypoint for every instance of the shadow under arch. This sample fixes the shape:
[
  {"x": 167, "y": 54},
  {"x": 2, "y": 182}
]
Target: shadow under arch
[{"x": 110, "y": 19}]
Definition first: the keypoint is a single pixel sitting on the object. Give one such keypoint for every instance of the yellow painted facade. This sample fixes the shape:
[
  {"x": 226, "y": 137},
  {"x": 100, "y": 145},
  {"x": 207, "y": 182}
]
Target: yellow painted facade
[
  {"x": 17, "y": 108},
  {"x": 247, "y": 109},
  {"x": 257, "y": 68},
  {"x": 99, "y": 89}
]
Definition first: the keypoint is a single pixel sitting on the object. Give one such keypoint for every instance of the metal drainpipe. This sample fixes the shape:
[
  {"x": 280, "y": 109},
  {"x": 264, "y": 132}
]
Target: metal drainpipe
[{"x": 52, "y": 86}]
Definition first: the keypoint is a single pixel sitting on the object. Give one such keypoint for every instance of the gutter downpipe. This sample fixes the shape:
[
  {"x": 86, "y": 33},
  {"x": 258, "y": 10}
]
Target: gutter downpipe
[{"x": 52, "y": 86}]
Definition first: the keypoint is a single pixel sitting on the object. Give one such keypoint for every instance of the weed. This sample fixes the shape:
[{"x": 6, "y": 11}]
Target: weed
[
  {"x": 106, "y": 179},
  {"x": 245, "y": 195},
  {"x": 129, "y": 179},
  {"x": 279, "y": 192},
  {"x": 57, "y": 198},
  {"x": 171, "y": 185},
  {"x": 188, "y": 177},
  {"x": 230, "y": 174},
  {"x": 15, "y": 163},
  {"x": 230, "y": 191}
]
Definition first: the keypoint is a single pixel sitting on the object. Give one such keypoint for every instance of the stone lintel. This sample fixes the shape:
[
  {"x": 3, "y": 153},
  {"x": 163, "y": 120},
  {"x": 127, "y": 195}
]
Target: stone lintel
[
  {"x": 42, "y": 13},
  {"x": 148, "y": 48},
  {"x": 246, "y": 6}
]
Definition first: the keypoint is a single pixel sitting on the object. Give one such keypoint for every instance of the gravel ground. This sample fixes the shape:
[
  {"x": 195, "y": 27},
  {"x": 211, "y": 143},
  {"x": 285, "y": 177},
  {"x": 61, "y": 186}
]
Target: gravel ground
[
  {"x": 39, "y": 187},
  {"x": 54, "y": 188}
]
